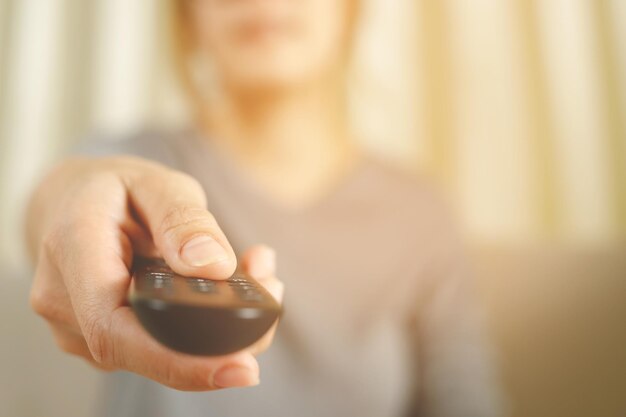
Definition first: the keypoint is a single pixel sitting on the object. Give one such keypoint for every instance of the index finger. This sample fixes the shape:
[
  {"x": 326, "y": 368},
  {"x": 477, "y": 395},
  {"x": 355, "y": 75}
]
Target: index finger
[{"x": 173, "y": 206}]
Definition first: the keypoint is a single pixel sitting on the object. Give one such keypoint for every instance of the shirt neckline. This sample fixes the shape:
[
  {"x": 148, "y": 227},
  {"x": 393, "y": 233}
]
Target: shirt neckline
[{"x": 205, "y": 151}]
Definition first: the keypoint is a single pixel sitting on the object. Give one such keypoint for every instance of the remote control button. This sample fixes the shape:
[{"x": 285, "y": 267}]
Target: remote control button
[
  {"x": 241, "y": 284},
  {"x": 240, "y": 281},
  {"x": 165, "y": 276},
  {"x": 248, "y": 293},
  {"x": 245, "y": 289},
  {"x": 202, "y": 285},
  {"x": 159, "y": 281},
  {"x": 237, "y": 278}
]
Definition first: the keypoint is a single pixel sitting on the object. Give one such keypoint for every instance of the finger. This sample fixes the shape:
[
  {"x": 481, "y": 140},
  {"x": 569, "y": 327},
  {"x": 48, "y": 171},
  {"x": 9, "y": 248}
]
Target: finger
[
  {"x": 70, "y": 341},
  {"x": 173, "y": 206},
  {"x": 141, "y": 239},
  {"x": 48, "y": 295},
  {"x": 259, "y": 262},
  {"x": 276, "y": 288},
  {"x": 74, "y": 343}
]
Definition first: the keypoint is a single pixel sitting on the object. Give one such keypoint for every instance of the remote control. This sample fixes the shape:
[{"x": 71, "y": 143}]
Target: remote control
[{"x": 200, "y": 316}]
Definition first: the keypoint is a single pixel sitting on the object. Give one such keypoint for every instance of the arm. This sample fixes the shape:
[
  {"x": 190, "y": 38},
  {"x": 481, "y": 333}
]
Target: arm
[{"x": 455, "y": 362}]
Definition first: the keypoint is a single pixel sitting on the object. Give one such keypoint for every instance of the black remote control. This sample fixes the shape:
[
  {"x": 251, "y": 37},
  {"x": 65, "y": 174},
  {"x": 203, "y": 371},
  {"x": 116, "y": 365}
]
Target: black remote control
[{"x": 200, "y": 316}]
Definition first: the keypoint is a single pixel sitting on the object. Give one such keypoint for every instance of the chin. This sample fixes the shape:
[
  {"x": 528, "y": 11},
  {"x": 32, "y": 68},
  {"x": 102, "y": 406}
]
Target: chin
[{"x": 267, "y": 78}]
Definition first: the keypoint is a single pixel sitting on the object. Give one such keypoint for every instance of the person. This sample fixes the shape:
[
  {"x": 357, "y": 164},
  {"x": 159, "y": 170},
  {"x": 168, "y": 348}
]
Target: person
[{"x": 380, "y": 318}]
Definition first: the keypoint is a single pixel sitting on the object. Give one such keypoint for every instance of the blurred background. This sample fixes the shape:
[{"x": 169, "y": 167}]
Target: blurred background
[{"x": 516, "y": 107}]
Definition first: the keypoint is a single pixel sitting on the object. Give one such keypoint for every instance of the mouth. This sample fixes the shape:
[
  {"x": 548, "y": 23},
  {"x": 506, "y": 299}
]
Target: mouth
[{"x": 264, "y": 28}]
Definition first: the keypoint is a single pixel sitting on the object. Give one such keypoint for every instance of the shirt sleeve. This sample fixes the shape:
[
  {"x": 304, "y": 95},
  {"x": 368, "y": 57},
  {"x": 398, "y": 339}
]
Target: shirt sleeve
[
  {"x": 153, "y": 145},
  {"x": 455, "y": 361}
]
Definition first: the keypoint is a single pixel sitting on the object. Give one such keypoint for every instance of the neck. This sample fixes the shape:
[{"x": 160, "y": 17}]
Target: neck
[{"x": 294, "y": 143}]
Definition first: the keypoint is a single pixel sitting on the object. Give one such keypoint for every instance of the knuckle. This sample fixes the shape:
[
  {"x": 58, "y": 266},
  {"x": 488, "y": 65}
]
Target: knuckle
[
  {"x": 49, "y": 309},
  {"x": 49, "y": 301},
  {"x": 52, "y": 241},
  {"x": 69, "y": 342},
  {"x": 183, "y": 379},
  {"x": 198, "y": 379},
  {"x": 39, "y": 302},
  {"x": 170, "y": 376},
  {"x": 178, "y": 219},
  {"x": 99, "y": 342},
  {"x": 70, "y": 231}
]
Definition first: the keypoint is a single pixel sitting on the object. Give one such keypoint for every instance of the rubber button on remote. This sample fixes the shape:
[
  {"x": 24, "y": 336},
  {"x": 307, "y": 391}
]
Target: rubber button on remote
[{"x": 202, "y": 285}]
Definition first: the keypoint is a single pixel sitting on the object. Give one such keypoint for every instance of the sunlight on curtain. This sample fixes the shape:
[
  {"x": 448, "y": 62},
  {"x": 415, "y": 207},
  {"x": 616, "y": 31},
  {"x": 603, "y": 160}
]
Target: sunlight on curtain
[
  {"x": 578, "y": 107},
  {"x": 517, "y": 106},
  {"x": 489, "y": 118},
  {"x": 124, "y": 47},
  {"x": 29, "y": 100}
]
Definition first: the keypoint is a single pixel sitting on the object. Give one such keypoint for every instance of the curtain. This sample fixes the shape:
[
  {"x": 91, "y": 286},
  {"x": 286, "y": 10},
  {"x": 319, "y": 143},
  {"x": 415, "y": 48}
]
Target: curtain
[{"x": 517, "y": 107}]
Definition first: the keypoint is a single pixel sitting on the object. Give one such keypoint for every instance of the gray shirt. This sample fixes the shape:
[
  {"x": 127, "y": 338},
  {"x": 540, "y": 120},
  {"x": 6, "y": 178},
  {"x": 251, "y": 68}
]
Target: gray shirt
[{"x": 379, "y": 313}]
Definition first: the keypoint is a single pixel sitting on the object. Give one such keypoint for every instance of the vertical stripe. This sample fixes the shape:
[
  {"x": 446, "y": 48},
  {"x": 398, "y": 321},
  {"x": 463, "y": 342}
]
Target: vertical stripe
[
  {"x": 490, "y": 120},
  {"x": 123, "y": 63},
  {"x": 6, "y": 9},
  {"x": 617, "y": 17},
  {"x": 32, "y": 109},
  {"x": 382, "y": 77},
  {"x": 547, "y": 203},
  {"x": 170, "y": 105},
  {"x": 439, "y": 147},
  {"x": 76, "y": 58},
  {"x": 616, "y": 111},
  {"x": 574, "y": 81}
]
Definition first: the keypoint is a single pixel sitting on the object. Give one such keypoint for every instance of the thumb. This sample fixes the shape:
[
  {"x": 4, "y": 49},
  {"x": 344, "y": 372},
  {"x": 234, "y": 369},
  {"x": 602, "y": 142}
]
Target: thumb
[{"x": 173, "y": 207}]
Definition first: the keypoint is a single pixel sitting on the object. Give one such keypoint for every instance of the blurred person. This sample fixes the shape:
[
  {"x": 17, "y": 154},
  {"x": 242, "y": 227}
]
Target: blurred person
[{"x": 380, "y": 317}]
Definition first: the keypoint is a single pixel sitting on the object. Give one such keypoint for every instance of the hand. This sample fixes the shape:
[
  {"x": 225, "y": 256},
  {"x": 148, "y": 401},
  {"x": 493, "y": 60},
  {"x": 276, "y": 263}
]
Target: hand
[{"x": 86, "y": 221}]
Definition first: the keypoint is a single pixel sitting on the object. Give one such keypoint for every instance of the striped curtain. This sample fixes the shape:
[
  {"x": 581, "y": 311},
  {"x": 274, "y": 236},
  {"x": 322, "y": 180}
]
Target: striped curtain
[{"x": 518, "y": 107}]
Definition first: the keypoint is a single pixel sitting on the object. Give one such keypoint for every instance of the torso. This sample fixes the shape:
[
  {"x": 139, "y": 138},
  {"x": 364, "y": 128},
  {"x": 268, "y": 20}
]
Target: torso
[{"x": 351, "y": 265}]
